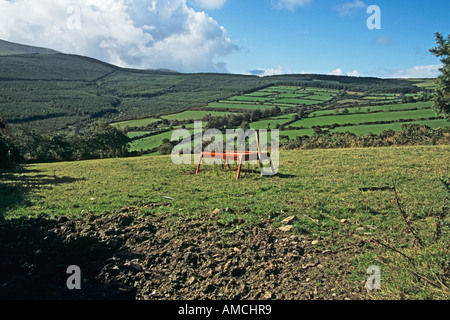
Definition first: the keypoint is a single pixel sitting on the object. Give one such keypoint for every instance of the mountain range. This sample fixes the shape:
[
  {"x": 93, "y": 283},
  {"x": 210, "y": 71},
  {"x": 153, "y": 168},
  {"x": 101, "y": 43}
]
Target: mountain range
[{"x": 49, "y": 90}]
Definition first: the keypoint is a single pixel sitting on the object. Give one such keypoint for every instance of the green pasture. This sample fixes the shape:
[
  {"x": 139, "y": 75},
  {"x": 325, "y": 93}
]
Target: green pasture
[
  {"x": 362, "y": 118},
  {"x": 322, "y": 189},
  {"x": 379, "y": 128},
  {"x": 388, "y": 107}
]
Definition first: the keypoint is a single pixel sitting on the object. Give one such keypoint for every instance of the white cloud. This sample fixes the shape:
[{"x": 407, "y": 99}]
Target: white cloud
[
  {"x": 291, "y": 4},
  {"x": 350, "y": 8},
  {"x": 262, "y": 72},
  {"x": 427, "y": 71},
  {"x": 209, "y": 4},
  {"x": 140, "y": 33},
  {"x": 336, "y": 72},
  {"x": 354, "y": 73},
  {"x": 340, "y": 72}
]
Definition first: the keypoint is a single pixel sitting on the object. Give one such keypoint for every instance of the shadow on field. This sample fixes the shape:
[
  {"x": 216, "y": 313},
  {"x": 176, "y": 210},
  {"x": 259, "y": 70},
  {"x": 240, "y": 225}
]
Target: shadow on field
[
  {"x": 36, "y": 252},
  {"x": 284, "y": 176},
  {"x": 257, "y": 171},
  {"x": 16, "y": 185}
]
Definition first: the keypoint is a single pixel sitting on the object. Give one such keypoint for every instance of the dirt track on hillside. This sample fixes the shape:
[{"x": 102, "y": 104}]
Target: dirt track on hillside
[{"x": 127, "y": 256}]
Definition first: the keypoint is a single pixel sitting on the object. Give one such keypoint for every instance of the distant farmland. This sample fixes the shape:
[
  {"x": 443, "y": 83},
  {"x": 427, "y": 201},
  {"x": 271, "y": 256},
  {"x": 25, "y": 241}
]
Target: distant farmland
[
  {"x": 364, "y": 118},
  {"x": 356, "y": 112}
]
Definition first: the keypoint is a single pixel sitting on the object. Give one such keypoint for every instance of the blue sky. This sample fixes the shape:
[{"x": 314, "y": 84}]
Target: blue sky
[
  {"x": 261, "y": 37},
  {"x": 322, "y": 37}
]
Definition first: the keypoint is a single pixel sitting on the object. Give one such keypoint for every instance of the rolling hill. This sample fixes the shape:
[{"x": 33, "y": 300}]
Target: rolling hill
[{"x": 56, "y": 91}]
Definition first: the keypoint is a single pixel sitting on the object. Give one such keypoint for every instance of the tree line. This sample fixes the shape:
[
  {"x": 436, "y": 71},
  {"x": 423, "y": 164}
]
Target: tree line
[
  {"x": 98, "y": 140},
  {"x": 441, "y": 97},
  {"x": 410, "y": 134},
  {"x": 233, "y": 120}
]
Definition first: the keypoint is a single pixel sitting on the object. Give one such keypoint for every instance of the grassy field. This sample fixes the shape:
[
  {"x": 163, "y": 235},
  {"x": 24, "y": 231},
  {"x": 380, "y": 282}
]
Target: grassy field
[
  {"x": 387, "y": 107},
  {"x": 321, "y": 188},
  {"x": 243, "y": 106},
  {"x": 151, "y": 142},
  {"x": 379, "y": 128},
  {"x": 298, "y": 101},
  {"x": 362, "y": 118},
  {"x": 424, "y": 83},
  {"x": 113, "y": 182},
  {"x": 272, "y": 122},
  {"x": 135, "y": 134}
]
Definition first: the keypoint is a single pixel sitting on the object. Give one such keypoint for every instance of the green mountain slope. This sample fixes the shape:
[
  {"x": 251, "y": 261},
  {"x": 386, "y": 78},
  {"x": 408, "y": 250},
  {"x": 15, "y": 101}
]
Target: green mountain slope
[
  {"x": 52, "y": 67},
  {"x": 55, "y": 91}
]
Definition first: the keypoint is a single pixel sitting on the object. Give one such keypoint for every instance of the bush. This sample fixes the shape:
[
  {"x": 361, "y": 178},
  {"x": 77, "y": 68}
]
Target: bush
[
  {"x": 99, "y": 140},
  {"x": 411, "y": 134},
  {"x": 166, "y": 148},
  {"x": 9, "y": 154}
]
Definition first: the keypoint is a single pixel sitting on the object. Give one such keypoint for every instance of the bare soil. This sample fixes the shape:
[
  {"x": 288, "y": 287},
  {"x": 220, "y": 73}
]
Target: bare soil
[{"x": 125, "y": 255}]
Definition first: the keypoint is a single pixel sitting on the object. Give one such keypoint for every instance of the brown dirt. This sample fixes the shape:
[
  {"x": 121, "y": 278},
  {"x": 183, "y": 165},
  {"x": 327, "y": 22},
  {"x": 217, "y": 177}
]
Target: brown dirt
[{"x": 128, "y": 256}]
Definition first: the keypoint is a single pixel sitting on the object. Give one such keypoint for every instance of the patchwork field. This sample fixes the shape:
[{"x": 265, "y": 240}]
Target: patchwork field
[
  {"x": 387, "y": 107},
  {"x": 301, "y": 109},
  {"x": 379, "y": 128},
  {"x": 364, "y": 118}
]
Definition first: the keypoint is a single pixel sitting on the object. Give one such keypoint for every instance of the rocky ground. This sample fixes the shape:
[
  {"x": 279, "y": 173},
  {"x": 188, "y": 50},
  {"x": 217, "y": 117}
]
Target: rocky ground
[{"x": 125, "y": 255}]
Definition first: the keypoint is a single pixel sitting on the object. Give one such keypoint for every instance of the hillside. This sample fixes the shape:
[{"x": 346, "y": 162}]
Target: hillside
[
  {"x": 149, "y": 229},
  {"x": 52, "y": 92},
  {"x": 54, "y": 67},
  {"x": 10, "y": 48}
]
